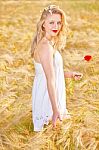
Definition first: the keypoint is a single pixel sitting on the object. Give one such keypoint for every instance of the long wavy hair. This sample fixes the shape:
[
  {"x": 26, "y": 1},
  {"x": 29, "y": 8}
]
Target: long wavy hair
[{"x": 60, "y": 39}]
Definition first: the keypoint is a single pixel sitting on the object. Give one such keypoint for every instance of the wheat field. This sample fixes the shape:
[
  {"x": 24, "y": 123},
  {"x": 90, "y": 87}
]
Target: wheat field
[{"x": 18, "y": 20}]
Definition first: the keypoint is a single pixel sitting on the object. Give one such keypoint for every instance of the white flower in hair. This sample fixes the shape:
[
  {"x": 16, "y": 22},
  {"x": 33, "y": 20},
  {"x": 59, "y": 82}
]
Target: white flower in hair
[
  {"x": 51, "y": 7},
  {"x": 46, "y": 9},
  {"x": 50, "y": 12}
]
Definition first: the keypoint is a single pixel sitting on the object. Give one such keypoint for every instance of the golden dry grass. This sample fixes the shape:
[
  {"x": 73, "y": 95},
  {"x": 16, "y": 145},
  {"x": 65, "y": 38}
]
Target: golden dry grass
[{"x": 17, "y": 26}]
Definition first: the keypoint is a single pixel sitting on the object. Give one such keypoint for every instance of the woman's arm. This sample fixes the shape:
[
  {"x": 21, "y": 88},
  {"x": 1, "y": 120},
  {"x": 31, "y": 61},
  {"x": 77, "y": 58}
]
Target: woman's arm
[
  {"x": 46, "y": 58},
  {"x": 68, "y": 74},
  {"x": 74, "y": 75}
]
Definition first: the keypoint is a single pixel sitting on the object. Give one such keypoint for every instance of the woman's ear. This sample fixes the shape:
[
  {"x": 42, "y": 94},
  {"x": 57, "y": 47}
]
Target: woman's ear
[{"x": 43, "y": 26}]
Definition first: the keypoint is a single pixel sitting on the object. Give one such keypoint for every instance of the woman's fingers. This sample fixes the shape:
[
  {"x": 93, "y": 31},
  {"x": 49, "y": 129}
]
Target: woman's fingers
[
  {"x": 54, "y": 123},
  {"x": 54, "y": 119},
  {"x": 60, "y": 118},
  {"x": 77, "y": 76}
]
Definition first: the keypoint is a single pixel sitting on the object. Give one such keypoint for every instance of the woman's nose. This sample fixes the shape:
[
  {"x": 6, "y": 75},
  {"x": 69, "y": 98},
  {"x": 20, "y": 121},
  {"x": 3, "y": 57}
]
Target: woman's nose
[{"x": 55, "y": 26}]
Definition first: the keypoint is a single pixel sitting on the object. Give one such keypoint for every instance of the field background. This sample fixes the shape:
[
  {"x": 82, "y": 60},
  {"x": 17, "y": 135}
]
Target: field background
[{"x": 18, "y": 20}]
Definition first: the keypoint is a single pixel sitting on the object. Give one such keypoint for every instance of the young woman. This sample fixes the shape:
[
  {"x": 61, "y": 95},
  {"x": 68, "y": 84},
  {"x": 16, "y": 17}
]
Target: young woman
[{"x": 48, "y": 92}]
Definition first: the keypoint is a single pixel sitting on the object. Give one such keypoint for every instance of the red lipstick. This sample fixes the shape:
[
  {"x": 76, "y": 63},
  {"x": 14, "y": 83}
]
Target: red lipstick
[{"x": 55, "y": 31}]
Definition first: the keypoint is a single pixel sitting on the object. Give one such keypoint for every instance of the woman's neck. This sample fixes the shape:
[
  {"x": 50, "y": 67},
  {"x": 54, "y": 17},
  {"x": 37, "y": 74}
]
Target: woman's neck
[{"x": 50, "y": 40}]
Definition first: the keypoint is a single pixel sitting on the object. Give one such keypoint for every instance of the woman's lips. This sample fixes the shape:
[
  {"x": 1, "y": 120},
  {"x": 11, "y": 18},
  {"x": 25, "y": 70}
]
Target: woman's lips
[{"x": 55, "y": 31}]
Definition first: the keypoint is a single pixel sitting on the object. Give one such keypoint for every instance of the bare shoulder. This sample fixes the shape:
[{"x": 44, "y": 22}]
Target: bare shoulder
[{"x": 45, "y": 50}]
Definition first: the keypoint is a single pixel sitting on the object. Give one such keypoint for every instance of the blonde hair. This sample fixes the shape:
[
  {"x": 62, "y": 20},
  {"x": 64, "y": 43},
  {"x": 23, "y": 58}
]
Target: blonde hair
[{"x": 60, "y": 39}]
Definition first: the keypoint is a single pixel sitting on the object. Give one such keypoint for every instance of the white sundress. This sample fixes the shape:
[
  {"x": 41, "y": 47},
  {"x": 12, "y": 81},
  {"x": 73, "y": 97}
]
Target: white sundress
[{"x": 41, "y": 105}]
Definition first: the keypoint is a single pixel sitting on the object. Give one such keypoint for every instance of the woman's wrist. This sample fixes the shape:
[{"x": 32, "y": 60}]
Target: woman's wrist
[
  {"x": 55, "y": 109},
  {"x": 73, "y": 74},
  {"x": 68, "y": 74}
]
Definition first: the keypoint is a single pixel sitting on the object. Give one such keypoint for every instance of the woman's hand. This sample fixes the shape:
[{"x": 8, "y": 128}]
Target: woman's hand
[
  {"x": 55, "y": 117},
  {"x": 77, "y": 75}
]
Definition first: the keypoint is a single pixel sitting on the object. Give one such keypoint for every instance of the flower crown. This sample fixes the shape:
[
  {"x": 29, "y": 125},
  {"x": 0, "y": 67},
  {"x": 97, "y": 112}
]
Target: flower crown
[{"x": 50, "y": 7}]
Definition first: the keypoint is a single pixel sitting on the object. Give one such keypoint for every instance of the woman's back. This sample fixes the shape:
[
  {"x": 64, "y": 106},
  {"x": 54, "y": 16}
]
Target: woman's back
[{"x": 38, "y": 49}]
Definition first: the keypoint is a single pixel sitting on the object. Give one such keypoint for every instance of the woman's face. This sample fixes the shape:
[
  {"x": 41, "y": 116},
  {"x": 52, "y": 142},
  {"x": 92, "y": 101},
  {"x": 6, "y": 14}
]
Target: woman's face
[{"x": 52, "y": 25}]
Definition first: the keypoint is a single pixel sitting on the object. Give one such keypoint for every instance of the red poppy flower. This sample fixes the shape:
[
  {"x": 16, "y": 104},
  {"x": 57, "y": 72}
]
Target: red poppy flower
[{"x": 88, "y": 57}]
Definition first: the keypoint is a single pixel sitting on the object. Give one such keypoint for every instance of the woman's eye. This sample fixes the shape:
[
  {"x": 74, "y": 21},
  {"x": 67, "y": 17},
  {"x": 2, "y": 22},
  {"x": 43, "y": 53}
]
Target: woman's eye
[
  {"x": 51, "y": 22},
  {"x": 59, "y": 23}
]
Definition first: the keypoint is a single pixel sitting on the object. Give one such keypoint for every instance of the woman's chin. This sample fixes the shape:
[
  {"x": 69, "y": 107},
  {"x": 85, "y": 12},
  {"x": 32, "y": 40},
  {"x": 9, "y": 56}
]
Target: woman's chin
[{"x": 54, "y": 34}]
